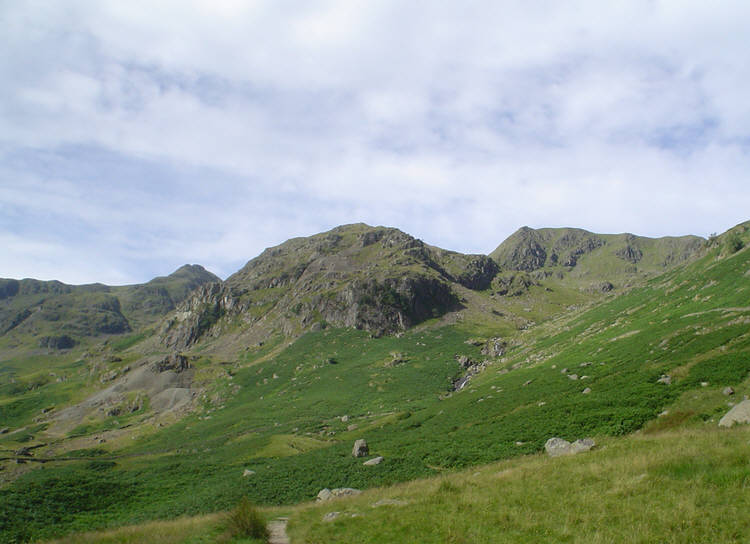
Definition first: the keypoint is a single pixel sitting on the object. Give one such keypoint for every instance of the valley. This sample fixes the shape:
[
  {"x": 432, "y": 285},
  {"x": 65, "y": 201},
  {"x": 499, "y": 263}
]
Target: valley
[{"x": 124, "y": 405}]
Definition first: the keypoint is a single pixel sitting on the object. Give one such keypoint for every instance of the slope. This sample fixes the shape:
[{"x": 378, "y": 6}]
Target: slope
[{"x": 289, "y": 410}]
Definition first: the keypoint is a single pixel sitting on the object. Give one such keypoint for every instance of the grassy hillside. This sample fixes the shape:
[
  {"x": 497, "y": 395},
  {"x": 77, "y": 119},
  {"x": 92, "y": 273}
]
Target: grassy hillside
[
  {"x": 594, "y": 262},
  {"x": 686, "y": 485},
  {"x": 289, "y": 409}
]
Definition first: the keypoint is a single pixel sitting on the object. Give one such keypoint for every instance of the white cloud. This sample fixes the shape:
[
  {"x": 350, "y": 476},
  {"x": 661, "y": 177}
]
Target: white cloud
[{"x": 158, "y": 133}]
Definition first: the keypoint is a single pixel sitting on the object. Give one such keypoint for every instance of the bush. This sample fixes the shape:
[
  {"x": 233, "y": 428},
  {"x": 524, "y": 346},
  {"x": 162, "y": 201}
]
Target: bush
[{"x": 246, "y": 521}]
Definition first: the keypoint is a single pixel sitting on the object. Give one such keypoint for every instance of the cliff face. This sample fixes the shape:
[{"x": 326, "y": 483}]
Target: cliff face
[{"x": 372, "y": 278}]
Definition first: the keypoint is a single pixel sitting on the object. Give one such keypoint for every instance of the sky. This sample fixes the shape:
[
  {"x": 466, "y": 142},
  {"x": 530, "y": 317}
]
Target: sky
[{"x": 139, "y": 136}]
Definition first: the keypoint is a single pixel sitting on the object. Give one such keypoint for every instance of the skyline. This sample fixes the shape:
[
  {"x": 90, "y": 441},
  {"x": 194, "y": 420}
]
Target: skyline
[{"x": 136, "y": 138}]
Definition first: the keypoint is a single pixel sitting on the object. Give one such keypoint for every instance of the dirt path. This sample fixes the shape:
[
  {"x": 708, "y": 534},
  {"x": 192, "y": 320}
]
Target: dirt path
[{"x": 277, "y": 531}]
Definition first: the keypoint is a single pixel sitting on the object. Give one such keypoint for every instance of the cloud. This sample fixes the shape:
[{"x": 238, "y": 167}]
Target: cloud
[{"x": 154, "y": 134}]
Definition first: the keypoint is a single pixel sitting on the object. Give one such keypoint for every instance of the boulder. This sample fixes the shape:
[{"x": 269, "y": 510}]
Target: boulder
[
  {"x": 329, "y": 494},
  {"x": 374, "y": 461},
  {"x": 728, "y": 391},
  {"x": 738, "y": 414},
  {"x": 582, "y": 445},
  {"x": 360, "y": 448},
  {"x": 586, "y": 391},
  {"x": 665, "y": 379},
  {"x": 557, "y": 447},
  {"x": 248, "y": 472}
]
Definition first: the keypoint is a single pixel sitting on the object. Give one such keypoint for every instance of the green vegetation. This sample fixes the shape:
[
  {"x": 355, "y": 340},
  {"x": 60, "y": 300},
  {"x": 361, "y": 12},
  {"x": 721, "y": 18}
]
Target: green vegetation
[
  {"x": 686, "y": 486},
  {"x": 275, "y": 416},
  {"x": 246, "y": 521}
]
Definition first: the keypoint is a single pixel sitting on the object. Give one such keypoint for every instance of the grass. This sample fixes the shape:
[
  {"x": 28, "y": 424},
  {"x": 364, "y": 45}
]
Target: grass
[
  {"x": 278, "y": 409},
  {"x": 689, "y": 485},
  {"x": 686, "y": 485}
]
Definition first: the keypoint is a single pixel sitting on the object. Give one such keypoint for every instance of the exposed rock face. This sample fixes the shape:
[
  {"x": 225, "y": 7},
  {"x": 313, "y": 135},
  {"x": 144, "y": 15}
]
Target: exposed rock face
[
  {"x": 197, "y": 315},
  {"x": 57, "y": 342},
  {"x": 360, "y": 448},
  {"x": 557, "y": 447},
  {"x": 738, "y": 414}
]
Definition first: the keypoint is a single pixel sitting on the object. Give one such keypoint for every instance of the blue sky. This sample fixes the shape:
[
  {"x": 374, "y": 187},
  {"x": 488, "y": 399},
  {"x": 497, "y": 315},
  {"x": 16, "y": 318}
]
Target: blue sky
[{"x": 139, "y": 136}]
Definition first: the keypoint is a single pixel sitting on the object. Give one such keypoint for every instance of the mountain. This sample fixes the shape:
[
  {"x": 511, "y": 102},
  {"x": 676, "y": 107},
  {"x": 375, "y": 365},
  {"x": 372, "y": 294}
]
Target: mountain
[
  {"x": 258, "y": 386},
  {"x": 53, "y": 315},
  {"x": 377, "y": 279},
  {"x": 597, "y": 261}
]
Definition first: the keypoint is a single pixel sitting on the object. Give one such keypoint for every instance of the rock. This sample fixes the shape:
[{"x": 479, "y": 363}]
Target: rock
[
  {"x": 344, "y": 419},
  {"x": 247, "y": 472},
  {"x": 572, "y": 376},
  {"x": 175, "y": 361},
  {"x": 351, "y": 427},
  {"x": 360, "y": 448},
  {"x": 330, "y": 516},
  {"x": 704, "y": 384},
  {"x": 374, "y": 461},
  {"x": 738, "y": 414},
  {"x": 527, "y": 382},
  {"x": 557, "y": 447},
  {"x": 728, "y": 391},
  {"x": 324, "y": 495},
  {"x": 586, "y": 391},
  {"x": 57, "y": 342},
  {"x": 329, "y": 494},
  {"x": 4, "y": 430},
  {"x": 564, "y": 371},
  {"x": 582, "y": 445},
  {"x": 494, "y": 347},
  {"x": 666, "y": 379}
]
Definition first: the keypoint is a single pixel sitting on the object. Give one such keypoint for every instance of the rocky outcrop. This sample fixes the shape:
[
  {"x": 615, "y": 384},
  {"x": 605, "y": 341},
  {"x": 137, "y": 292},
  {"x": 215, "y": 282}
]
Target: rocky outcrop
[
  {"x": 194, "y": 317},
  {"x": 57, "y": 342},
  {"x": 376, "y": 279},
  {"x": 471, "y": 369}
]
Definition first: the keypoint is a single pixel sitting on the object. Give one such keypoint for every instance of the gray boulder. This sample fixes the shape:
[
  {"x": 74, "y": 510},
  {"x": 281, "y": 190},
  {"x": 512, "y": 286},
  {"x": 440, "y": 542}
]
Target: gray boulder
[
  {"x": 738, "y": 414},
  {"x": 329, "y": 494},
  {"x": 374, "y": 461},
  {"x": 728, "y": 391},
  {"x": 557, "y": 447},
  {"x": 360, "y": 448}
]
